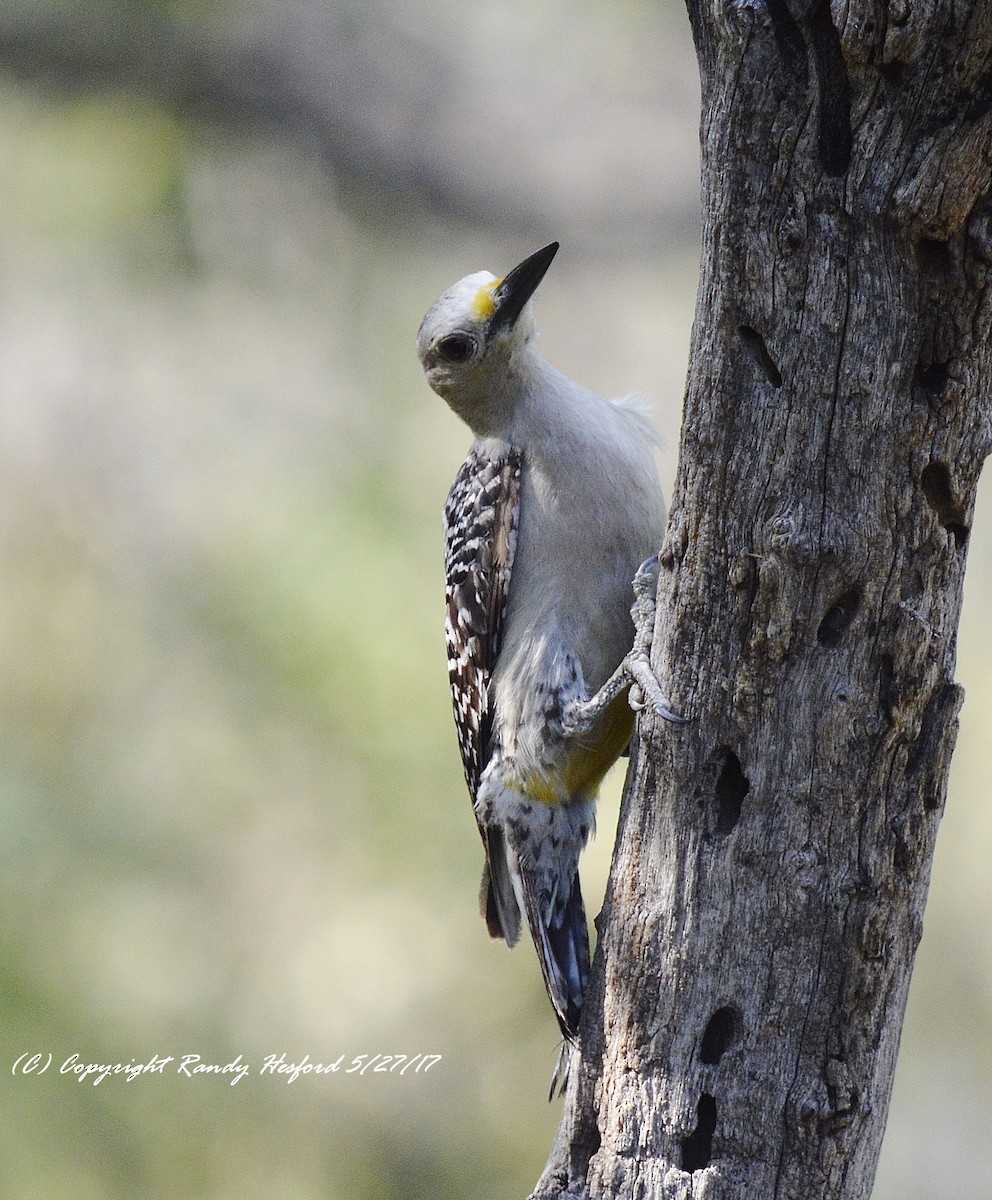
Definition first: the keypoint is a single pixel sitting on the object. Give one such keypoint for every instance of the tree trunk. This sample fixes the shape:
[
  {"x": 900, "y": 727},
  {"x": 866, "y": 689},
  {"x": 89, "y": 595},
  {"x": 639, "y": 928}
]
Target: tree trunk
[{"x": 766, "y": 900}]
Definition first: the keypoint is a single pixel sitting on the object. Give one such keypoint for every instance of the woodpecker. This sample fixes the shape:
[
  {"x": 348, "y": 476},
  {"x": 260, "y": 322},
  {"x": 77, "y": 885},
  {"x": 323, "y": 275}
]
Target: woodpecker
[{"x": 548, "y": 519}]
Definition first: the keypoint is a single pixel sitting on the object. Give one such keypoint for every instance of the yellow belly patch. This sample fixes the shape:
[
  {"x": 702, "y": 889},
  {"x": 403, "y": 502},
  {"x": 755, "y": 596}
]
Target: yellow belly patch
[{"x": 585, "y": 760}]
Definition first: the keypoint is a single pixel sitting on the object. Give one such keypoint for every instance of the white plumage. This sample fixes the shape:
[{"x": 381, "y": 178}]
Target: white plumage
[{"x": 549, "y": 517}]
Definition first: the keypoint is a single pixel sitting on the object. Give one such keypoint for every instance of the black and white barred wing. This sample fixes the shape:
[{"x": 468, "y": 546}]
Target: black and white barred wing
[{"x": 481, "y": 523}]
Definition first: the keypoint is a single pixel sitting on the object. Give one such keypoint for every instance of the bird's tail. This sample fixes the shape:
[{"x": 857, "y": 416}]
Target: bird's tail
[
  {"x": 498, "y": 894},
  {"x": 550, "y": 898},
  {"x": 562, "y": 943}
]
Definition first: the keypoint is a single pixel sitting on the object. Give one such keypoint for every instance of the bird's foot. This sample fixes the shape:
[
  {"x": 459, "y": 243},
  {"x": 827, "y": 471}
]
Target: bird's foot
[
  {"x": 645, "y": 690},
  {"x": 634, "y": 672}
]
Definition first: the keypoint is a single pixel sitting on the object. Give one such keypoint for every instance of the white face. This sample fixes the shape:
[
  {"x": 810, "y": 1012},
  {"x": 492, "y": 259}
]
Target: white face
[
  {"x": 470, "y": 334},
  {"x": 453, "y": 332},
  {"x": 460, "y": 347}
]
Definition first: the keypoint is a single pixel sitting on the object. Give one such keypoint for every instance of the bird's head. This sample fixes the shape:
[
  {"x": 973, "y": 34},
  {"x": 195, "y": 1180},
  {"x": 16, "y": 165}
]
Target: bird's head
[{"x": 470, "y": 334}]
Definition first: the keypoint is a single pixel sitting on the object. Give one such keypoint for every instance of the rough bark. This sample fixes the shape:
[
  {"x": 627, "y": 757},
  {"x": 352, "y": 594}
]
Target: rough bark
[{"x": 768, "y": 886}]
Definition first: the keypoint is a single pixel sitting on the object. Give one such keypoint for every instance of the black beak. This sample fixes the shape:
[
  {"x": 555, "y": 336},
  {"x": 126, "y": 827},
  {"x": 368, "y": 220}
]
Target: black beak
[{"x": 514, "y": 290}]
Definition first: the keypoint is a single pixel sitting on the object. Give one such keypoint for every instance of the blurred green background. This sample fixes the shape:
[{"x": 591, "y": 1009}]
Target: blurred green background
[{"x": 233, "y": 814}]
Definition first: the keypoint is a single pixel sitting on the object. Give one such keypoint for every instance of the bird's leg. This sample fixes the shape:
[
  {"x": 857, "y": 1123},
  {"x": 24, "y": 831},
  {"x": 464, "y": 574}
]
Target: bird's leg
[
  {"x": 634, "y": 672},
  {"x": 644, "y": 688}
]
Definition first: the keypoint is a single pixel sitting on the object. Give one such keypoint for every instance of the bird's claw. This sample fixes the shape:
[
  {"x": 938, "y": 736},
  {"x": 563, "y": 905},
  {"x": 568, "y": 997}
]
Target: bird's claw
[
  {"x": 634, "y": 673},
  {"x": 645, "y": 691}
]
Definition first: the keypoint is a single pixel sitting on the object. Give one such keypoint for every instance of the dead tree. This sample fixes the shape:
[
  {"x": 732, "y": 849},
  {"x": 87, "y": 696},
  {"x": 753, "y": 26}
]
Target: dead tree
[{"x": 768, "y": 886}]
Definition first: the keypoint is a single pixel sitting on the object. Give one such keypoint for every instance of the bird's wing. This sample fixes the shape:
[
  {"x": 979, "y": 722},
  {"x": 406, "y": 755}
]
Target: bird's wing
[{"x": 481, "y": 522}]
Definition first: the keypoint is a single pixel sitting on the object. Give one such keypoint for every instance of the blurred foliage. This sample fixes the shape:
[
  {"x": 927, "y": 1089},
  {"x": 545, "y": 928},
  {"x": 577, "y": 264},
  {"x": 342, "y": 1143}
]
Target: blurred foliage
[{"x": 233, "y": 811}]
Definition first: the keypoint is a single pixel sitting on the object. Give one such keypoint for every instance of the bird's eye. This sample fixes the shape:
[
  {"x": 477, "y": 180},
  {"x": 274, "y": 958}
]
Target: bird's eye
[{"x": 456, "y": 347}]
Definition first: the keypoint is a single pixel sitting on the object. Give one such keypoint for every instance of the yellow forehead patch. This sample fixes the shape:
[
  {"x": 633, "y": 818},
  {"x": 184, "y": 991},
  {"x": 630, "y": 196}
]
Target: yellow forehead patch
[{"x": 483, "y": 304}]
